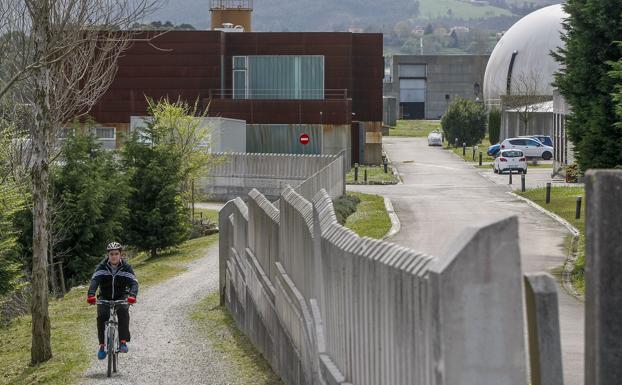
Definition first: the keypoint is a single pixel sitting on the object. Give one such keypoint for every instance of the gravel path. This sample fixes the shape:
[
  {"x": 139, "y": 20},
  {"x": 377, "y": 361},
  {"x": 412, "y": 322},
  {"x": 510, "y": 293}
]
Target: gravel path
[{"x": 164, "y": 347}]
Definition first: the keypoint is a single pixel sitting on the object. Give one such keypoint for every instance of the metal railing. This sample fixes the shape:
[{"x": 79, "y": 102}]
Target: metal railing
[
  {"x": 274, "y": 94},
  {"x": 231, "y": 4}
]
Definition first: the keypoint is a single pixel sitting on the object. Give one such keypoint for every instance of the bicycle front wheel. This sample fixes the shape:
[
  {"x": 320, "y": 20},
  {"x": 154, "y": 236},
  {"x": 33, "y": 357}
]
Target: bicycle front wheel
[
  {"x": 110, "y": 346},
  {"x": 115, "y": 358}
]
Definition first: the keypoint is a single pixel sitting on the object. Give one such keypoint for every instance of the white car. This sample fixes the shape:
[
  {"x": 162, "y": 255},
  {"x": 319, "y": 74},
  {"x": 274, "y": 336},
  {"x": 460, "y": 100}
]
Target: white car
[
  {"x": 510, "y": 160},
  {"x": 532, "y": 148},
  {"x": 435, "y": 138}
]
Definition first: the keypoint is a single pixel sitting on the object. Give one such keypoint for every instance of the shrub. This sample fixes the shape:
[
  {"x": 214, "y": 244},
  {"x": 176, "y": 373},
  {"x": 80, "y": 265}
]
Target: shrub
[
  {"x": 494, "y": 125},
  {"x": 464, "y": 120},
  {"x": 345, "y": 206}
]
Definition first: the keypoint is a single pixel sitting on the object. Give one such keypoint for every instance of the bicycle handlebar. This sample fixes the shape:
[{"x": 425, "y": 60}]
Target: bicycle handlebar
[{"x": 117, "y": 302}]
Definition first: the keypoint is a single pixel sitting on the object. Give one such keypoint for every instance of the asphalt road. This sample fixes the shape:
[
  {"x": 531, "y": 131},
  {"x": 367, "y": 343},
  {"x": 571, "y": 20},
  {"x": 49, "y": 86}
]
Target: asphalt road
[{"x": 441, "y": 195}]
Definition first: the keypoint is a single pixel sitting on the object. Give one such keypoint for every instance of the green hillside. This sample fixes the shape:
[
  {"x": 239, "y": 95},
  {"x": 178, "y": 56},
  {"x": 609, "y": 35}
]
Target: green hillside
[{"x": 431, "y": 9}]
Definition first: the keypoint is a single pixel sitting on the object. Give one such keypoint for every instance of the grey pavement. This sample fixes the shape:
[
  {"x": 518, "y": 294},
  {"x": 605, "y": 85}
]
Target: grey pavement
[{"x": 442, "y": 194}]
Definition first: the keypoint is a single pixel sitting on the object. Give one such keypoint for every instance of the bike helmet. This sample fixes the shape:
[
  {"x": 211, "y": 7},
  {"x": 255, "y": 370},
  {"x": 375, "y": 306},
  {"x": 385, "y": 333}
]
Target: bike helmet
[{"x": 114, "y": 246}]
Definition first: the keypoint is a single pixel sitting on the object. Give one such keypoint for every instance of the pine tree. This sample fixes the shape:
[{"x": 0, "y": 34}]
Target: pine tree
[
  {"x": 591, "y": 31},
  {"x": 158, "y": 218}
]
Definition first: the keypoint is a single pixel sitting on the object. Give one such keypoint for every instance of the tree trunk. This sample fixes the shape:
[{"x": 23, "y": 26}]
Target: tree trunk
[
  {"x": 61, "y": 279},
  {"x": 41, "y": 135},
  {"x": 154, "y": 252},
  {"x": 41, "y": 349},
  {"x": 51, "y": 271}
]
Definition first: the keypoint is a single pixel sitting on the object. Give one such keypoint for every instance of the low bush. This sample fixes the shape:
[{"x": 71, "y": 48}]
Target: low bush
[{"x": 345, "y": 206}]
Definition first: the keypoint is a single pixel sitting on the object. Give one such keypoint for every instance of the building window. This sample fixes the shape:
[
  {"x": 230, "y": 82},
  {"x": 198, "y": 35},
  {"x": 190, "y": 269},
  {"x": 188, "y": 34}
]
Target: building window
[
  {"x": 105, "y": 133},
  {"x": 240, "y": 77},
  {"x": 278, "y": 77}
]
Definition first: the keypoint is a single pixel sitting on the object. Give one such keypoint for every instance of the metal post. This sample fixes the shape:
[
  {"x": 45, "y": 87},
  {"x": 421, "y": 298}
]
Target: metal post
[
  {"x": 522, "y": 182},
  {"x": 474, "y": 149},
  {"x": 386, "y": 167},
  {"x": 365, "y": 175},
  {"x": 577, "y": 212},
  {"x": 201, "y": 215},
  {"x": 356, "y": 172},
  {"x": 480, "y": 158},
  {"x": 510, "y": 177},
  {"x": 548, "y": 192},
  {"x": 463, "y": 149}
]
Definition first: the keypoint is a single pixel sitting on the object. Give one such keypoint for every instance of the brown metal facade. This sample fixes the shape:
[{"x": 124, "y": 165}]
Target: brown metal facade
[{"x": 188, "y": 64}]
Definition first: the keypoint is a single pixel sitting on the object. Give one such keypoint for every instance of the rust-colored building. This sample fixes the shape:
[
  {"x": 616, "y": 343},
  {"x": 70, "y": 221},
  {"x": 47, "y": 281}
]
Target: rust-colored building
[{"x": 327, "y": 85}]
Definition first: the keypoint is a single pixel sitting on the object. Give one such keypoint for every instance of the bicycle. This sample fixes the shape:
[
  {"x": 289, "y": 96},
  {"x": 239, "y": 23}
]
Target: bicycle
[{"x": 112, "y": 334}]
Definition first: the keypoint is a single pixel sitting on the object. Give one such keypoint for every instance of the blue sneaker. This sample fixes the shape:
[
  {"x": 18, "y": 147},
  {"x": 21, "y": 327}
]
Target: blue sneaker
[
  {"x": 101, "y": 353},
  {"x": 123, "y": 347}
]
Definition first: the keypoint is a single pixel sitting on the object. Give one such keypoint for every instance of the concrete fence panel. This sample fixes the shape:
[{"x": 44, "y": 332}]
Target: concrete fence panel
[
  {"x": 477, "y": 316},
  {"x": 325, "y": 306}
]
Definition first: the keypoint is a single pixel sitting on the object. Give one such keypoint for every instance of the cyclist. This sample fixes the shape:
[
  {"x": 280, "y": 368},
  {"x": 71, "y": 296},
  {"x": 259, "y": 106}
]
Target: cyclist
[{"x": 116, "y": 280}]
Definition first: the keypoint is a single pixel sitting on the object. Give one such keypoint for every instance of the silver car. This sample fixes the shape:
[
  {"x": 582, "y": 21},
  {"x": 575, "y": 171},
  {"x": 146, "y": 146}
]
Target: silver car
[{"x": 435, "y": 138}]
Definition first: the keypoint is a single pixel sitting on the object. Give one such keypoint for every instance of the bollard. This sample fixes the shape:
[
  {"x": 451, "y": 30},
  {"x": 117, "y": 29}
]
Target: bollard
[
  {"x": 522, "y": 182},
  {"x": 356, "y": 172},
  {"x": 480, "y": 158},
  {"x": 463, "y": 149},
  {"x": 548, "y": 192},
  {"x": 365, "y": 175},
  {"x": 577, "y": 212},
  {"x": 201, "y": 216},
  {"x": 510, "y": 177},
  {"x": 386, "y": 167},
  {"x": 474, "y": 149}
]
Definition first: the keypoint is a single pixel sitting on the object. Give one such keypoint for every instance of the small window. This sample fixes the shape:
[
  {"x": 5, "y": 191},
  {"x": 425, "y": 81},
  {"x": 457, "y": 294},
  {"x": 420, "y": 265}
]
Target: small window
[
  {"x": 105, "y": 133},
  {"x": 512, "y": 154},
  {"x": 533, "y": 143}
]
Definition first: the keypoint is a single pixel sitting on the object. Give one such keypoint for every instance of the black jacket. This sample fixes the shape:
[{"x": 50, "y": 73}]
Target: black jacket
[{"x": 114, "y": 287}]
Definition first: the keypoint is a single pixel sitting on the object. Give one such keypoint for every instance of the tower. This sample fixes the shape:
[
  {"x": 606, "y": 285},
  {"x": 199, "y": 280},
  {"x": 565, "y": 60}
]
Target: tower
[{"x": 231, "y": 12}]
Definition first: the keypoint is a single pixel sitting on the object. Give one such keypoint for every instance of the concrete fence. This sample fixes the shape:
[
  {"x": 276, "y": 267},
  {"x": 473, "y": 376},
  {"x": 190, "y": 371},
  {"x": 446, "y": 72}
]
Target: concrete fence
[
  {"x": 239, "y": 173},
  {"x": 325, "y": 306}
]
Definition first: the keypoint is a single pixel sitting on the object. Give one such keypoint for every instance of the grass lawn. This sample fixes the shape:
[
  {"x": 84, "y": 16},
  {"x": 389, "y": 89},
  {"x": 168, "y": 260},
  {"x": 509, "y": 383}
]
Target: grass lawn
[
  {"x": 375, "y": 175},
  {"x": 73, "y": 322},
  {"x": 414, "y": 128},
  {"x": 483, "y": 147},
  {"x": 370, "y": 218},
  {"x": 247, "y": 365},
  {"x": 212, "y": 215},
  {"x": 563, "y": 203}
]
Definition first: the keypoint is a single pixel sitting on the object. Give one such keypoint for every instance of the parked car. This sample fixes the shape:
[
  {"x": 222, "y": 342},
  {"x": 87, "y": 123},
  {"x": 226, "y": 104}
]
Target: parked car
[
  {"x": 493, "y": 150},
  {"x": 532, "y": 148},
  {"x": 510, "y": 160},
  {"x": 544, "y": 139},
  {"x": 435, "y": 138}
]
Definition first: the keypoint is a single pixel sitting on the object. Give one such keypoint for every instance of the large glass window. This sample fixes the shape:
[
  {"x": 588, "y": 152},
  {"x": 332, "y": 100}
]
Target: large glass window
[
  {"x": 240, "y": 77},
  {"x": 279, "y": 77}
]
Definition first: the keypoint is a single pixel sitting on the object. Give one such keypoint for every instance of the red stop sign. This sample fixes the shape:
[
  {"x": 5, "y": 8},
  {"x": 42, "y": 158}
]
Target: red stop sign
[{"x": 304, "y": 139}]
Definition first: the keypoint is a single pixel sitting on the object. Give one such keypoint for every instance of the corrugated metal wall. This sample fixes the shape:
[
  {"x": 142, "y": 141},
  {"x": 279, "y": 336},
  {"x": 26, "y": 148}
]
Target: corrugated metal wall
[{"x": 283, "y": 138}]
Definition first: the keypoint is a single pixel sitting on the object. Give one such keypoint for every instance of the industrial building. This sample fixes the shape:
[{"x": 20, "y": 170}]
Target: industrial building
[
  {"x": 425, "y": 85},
  {"x": 520, "y": 73},
  {"x": 327, "y": 86}
]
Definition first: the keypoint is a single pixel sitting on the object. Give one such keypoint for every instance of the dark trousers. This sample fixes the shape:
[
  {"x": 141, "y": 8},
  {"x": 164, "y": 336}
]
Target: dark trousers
[{"x": 123, "y": 317}]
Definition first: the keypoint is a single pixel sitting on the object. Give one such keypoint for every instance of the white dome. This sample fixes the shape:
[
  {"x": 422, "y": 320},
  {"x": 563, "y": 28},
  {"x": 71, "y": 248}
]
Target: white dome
[{"x": 533, "y": 38}]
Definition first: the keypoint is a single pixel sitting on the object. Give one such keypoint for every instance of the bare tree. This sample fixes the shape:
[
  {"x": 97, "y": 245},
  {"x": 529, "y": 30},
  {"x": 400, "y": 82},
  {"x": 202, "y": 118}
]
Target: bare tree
[
  {"x": 58, "y": 58},
  {"x": 526, "y": 96}
]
